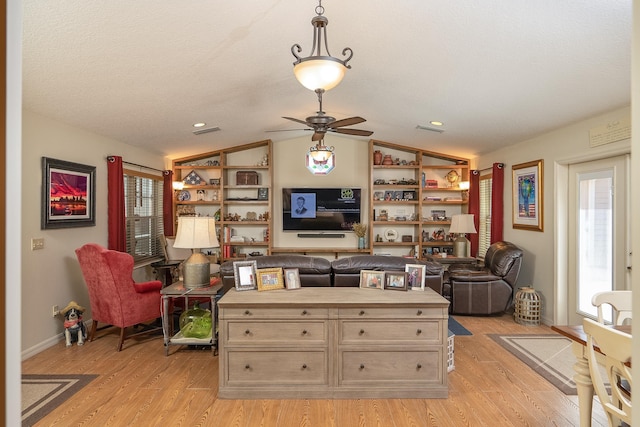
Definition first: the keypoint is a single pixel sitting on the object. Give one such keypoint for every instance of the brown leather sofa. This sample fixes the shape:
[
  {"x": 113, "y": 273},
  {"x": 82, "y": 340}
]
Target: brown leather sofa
[
  {"x": 315, "y": 271},
  {"x": 346, "y": 271},
  {"x": 486, "y": 289}
]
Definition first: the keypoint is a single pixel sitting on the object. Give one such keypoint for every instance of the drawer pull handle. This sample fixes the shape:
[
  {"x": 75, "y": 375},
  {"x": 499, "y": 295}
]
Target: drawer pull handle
[
  {"x": 247, "y": 367},
  {"x": 247, "y": 332},
  {"x": 304, "y": 332},
  {"x": 361, "y": 312},
  {"x": 247, "y": 312},
  {"x": 304, "y": 366},
  {"x": 361, "y": 366},
  {"x": 419, "y": 366},
  {"x": 419, "y": 331},
  {"x": 361, "y": 331},
  {"x": 304, "y": 312},
  {"x": 419, "y": 313}
]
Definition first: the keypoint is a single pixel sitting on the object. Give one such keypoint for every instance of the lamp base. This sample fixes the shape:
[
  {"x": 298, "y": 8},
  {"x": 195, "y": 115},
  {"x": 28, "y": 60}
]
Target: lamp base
[
  {"x": 195, "y": 271},
  {"x": 460, "y": 246}
]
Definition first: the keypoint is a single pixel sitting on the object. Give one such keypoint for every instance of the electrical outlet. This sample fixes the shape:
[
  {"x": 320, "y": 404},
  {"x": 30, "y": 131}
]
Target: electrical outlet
[
  {"x": 37, "y": 244},
  {"x": 55, "y": 310}
]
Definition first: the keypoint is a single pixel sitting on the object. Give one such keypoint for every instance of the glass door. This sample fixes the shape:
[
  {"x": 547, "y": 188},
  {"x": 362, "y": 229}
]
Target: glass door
[{"x": 598, "y": 230}]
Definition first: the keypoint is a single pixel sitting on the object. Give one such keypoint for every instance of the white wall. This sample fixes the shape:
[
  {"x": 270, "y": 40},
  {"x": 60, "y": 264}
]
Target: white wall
[
  {"x": 555, "y": 148},
  {"x": 52, "y": 276}
]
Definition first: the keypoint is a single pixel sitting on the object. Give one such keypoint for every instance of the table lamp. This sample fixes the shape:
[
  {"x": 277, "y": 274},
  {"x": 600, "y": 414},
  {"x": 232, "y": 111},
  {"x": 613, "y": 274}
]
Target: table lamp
[
  {"x": 196, "y": 233},
  {"x": 462, "y": 224}
]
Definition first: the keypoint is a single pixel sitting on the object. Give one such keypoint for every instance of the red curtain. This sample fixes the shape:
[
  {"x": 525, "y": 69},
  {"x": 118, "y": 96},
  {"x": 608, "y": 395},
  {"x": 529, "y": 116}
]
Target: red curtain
[
  {"x": 115, "y": 201},
  {"x": 167, "y": 202},
  {"x": 497, "y": 202},
  {"x": 474, "y": 208}
]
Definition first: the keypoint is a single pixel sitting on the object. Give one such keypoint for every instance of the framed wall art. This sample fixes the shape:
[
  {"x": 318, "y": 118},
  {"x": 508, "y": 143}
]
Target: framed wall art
[
  {"x": 68, "y": 194},
  {"x": 528, "y": 192}
]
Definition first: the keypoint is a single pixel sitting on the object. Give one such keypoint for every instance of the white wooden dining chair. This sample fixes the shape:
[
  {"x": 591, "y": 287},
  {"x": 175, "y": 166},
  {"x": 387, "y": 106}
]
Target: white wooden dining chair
[
  {"x": 616, "y": 348},
  {"x": 620, "y": 302}
]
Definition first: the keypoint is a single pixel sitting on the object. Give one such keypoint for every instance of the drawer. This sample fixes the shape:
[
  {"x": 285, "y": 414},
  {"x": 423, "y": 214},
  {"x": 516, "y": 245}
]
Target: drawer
[
  {"x": 259, "y": 367},
  {"x": 393, "y": 313},
  {"x": 273, "y": 313},
  {"x": 380, "y": 332},
  {"x": 386, "y": 367},
  {"x": 270, "y": 332}
]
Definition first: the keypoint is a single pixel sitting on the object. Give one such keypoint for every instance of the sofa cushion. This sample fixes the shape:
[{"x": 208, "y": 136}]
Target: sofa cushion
[{"x": 354, "y": 264}]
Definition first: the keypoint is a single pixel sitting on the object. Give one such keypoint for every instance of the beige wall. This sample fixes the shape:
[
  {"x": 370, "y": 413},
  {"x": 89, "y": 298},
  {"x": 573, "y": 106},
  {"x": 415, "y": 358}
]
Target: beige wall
[
  {"x": 52, "y": 276},
  {"x": 556, "y": 148}
]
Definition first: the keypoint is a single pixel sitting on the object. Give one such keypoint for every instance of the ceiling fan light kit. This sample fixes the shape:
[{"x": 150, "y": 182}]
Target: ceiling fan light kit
[{"x": 319, "y": 71}]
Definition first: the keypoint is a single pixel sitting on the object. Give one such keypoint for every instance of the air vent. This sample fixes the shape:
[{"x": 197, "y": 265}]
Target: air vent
[
  {"x": 429, "y": 129},
  {"x": 207, "y": 130}
]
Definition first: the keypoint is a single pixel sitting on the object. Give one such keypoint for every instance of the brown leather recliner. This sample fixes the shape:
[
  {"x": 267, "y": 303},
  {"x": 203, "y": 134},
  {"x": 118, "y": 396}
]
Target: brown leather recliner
[{"x": 488, "y": 289}]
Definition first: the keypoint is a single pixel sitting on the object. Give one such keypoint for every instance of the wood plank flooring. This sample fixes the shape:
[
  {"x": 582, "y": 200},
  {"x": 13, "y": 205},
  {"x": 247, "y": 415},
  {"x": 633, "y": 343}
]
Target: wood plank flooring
[{"x": 139, "y": 386}]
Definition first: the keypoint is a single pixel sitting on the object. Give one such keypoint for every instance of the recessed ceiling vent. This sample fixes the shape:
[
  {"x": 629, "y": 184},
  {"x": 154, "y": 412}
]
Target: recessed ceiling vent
[
  {"x": 429, "y": 128},
  {"x": 207, "y": 130}
]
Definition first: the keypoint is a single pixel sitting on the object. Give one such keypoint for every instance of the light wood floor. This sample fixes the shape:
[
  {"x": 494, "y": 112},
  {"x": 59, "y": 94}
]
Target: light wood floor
[{"x": 139, "y": 386}]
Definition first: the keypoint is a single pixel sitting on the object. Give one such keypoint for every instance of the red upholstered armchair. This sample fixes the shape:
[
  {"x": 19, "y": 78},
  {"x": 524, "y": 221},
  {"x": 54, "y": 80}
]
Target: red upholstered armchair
[{"x": 115, "y": 298}]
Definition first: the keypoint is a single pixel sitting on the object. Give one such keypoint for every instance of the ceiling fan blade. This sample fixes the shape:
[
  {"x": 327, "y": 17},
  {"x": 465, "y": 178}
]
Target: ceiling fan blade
[
  {"x": 358, "y": 132},
  {"x": 347, "y": 122},
  {"x": 296, "y": 120},
  {"x": 317, "y": 136},
  {"x": 286, "y": 130}
]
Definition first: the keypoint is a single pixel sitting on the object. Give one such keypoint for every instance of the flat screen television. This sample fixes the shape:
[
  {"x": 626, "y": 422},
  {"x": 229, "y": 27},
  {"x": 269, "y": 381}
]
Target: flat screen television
[{"x": 320, "y": 209}]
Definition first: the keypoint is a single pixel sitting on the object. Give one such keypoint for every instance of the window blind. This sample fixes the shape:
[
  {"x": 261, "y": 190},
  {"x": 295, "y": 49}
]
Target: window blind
[
  {"x": 143, "y": 213},
  {"x": 484, "y": 223}
]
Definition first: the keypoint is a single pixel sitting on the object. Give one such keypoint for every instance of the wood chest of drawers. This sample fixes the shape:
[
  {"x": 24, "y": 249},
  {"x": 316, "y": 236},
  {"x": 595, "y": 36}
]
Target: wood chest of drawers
[{"x": 333, "y": 343}]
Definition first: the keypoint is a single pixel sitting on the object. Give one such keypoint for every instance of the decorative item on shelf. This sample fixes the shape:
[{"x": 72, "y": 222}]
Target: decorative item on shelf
[
  {"x": 377, "y": 157},
  {"x": 391, "y": 235},
  {"x": 196, "y": 322},
  {"x": 431, "y": 183},
  {"x": 438, "y": 235},
  {"x": 200, "y": 195},
  {"x": 464, "y": 186},
  {"x": 247, "y": 178},
  {"x": 452, "y": 177},
  {"x": 320, "y": 70},
  {"x": 193, "y": 179},
  {"x": 177, "y": 185},
  {"x": 387, "y": 160},
  {"x": 407, "y": 238},
  {"x": 196, "y": 233},
  {"x": 184, "y": 196},
  {"x": 383, "y": 216},
  {"x": 462, "y": 224},
  {"x": 528, "y": 307},
  {"x": 360, "y": 230}
]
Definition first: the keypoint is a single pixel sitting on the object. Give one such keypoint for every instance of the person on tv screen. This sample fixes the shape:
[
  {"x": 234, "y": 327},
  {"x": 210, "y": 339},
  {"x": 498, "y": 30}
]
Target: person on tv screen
[
  {"x": 303, "y": 206},
  {"x": 301, "y": 209}
]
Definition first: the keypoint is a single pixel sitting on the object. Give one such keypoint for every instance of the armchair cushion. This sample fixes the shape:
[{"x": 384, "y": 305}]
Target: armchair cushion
[{"x": 143, "y": 287}]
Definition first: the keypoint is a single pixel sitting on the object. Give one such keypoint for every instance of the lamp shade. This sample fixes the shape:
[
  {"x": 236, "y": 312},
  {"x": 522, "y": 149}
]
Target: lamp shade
[
  {"x": 196, "y": 232},
  {"x": 462, "y": 223},
  {"x": 319, "y": 72}
]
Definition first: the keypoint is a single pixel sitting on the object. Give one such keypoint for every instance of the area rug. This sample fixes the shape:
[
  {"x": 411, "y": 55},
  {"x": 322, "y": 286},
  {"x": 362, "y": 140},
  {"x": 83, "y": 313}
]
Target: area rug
[
  {"x": 550, "y": 355},
  {"x": 456, "y": 328},
  {"x": 43, "y": 393}
]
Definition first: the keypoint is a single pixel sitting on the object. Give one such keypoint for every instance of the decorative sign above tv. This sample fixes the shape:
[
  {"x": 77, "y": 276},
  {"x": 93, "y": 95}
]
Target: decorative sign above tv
[{"x": 320, "y": 209}]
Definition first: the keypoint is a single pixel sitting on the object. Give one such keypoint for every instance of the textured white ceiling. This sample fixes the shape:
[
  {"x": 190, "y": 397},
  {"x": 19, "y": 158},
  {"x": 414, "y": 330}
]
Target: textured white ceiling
[{"x": 494, "y": 71}]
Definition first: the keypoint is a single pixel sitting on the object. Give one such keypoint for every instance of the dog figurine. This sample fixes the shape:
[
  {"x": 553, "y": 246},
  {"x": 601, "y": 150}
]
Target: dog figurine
[{"x": 74, "y": 327}]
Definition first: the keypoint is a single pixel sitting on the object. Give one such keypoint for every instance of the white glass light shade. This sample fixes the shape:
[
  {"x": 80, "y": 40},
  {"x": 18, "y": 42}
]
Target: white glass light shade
[
  {"x": 462, "y": 223},
  {"x": 320, "y": 155},
  {"x": 324, "y": 72},
  {"x": 196, "y": 233}
]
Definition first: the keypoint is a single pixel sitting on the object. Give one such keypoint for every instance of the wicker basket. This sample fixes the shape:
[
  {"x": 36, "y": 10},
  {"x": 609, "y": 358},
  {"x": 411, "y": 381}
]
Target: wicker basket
[{"x": 528, "y": 307}]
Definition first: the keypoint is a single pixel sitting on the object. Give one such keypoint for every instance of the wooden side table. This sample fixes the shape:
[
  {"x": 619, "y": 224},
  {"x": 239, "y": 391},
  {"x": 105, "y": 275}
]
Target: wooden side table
[{"x": 178, "y": 290}]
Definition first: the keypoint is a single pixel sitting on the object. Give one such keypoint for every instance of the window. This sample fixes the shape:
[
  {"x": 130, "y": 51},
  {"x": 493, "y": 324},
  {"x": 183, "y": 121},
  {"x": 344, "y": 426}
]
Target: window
[
  {"x": 484, "y": 223},
  {"x": 143, "y": 215}
]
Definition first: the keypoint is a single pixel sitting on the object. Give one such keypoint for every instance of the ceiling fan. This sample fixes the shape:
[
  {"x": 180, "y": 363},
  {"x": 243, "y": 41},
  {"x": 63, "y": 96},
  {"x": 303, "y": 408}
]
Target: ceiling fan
[{"x": 321, "y": 123}]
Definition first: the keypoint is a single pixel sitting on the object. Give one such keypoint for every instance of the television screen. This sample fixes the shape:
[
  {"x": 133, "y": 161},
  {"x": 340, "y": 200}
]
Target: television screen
[{"x": 320, "y": 209}]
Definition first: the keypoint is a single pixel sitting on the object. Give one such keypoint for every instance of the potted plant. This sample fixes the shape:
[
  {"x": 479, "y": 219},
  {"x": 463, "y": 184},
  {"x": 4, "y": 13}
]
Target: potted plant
[{"x": 360, "y": 230}]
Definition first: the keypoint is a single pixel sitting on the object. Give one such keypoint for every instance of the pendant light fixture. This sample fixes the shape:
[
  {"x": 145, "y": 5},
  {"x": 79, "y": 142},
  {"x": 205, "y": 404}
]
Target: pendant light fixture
[{"x": 318, "y": 70}]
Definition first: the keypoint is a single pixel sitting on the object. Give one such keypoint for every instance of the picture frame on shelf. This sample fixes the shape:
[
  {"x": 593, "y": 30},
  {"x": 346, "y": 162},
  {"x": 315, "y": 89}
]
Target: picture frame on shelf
[
  {"x": 292, "y": 278},
  {"x": 263, "y": 193},
  {"x": 388, "y": 195},
  {"x": 371, "y": 279},
  {"x": 270, "y": 279},
  {"x": 68, "y": 194},
  {"x": 214, "y": 181},
  {"x": 415, "y": 276},
  {"x": 395, "y": 280},
  {"x": 378, "y": 195},
  {"x": 244, "y": 274},
  {"x": 528, "y": 195},
  {"x": 408, "y": 195}
]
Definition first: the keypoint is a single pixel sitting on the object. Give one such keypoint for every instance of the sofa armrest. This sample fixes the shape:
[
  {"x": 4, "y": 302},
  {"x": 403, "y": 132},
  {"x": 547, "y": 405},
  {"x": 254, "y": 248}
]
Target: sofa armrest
[
  {"x": 473, "y": 276},
  {"x": 144, "y": 287}
]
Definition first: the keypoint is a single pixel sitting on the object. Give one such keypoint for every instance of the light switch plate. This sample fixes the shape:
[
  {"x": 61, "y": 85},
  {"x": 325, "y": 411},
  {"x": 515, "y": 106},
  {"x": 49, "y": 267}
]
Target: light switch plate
[{"x": 37, "y": 244}]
